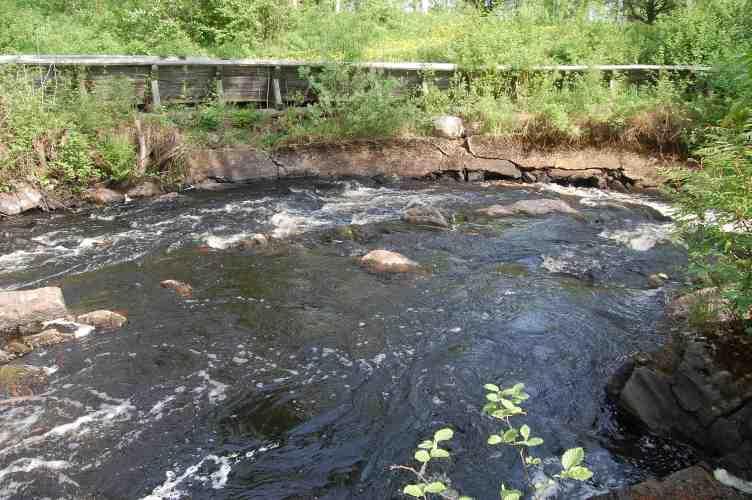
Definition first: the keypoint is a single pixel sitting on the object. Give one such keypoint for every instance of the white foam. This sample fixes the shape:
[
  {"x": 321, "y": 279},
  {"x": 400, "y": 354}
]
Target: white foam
[
  {"x": 30, "y": 464},
  {"x": 643, "y": 237},
  {"x": 594, "y": 197},
  {"x": 169, "y": 490},
  {"x": 724, "y": 477}
]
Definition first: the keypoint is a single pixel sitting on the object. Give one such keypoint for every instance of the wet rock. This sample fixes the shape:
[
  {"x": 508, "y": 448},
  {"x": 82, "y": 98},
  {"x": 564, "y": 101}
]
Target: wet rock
[
  {"x": 47, "y": 338},
  {"x": 618, "y": 186},
  {"x": 424, "y": 215},
  {"x": 146, "y": 189},
  {"x": 24, "y": 198},
  {"x": 693, "y": 483},
  {"x": 6, "y": 357},
  {"x": 529, "y": 177},
  {"x": 102, "y": 319},
  {"x": 256, "y": 240},
  {"x": 384, "y": 261},
  {"x": 17, "y": 348},
  {"x": 529, "y": 207},
  {"x": 104, "y": 196},
  {"x": 25, "y": 311},
  {"x": 448, "y": 127},
  {"x": 18, "y": 381},
  {"x": 182, "y": 289},
  {"x": 657, "y": 280},
  {"x": 475, "y": 176},
  {"x": 167, "y": 198}
]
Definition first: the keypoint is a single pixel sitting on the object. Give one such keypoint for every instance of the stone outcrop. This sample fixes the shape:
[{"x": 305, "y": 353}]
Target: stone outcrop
[
  {"x": 384, "y": 261},
  {"x": 697, "y": 389},
  {"x": 47, "y": 338},
  {"x": 23, "y": 312},
  {"x": 529, "y": 207},
  {"x": 230, "y": 165},
  {"x": 102, "y": 319},
  {"x": 693, "y": 483},
  {"x": 23, "y": 198}
]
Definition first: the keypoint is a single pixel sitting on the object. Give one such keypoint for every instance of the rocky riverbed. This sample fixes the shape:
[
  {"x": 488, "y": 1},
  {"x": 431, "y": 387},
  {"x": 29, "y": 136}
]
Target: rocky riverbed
[{"x": 295, "y": 339}]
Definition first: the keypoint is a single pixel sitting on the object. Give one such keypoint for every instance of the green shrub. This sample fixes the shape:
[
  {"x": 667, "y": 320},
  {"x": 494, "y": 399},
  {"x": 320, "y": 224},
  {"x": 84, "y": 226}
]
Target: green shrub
[{"x": 118, "y": 156}]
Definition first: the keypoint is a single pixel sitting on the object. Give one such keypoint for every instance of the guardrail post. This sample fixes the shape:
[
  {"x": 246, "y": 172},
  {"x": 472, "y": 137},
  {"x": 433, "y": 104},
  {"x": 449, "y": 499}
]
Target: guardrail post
[
  {"x": 278, "y": 103},
  {"x": 220, "y": 85},
  {"x": 156, "y": 99}
]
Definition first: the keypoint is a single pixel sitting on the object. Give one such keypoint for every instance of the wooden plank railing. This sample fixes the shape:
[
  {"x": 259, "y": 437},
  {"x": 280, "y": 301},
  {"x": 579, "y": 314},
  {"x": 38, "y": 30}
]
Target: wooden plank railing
[{"x": 160, "y": 80}]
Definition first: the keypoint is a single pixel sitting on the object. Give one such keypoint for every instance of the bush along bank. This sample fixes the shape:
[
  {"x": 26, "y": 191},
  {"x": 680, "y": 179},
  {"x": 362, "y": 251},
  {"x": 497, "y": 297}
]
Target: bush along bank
[{"x": 62, "y": 138}]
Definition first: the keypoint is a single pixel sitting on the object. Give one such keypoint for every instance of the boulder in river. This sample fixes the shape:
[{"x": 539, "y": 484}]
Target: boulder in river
[
  {"x": 48, "y": 337},
  {"x": 25, "y": 311},
  {"x": 104, "y": 196},
  {"x": 24, "y": 198},
  {"x": 182, "y": 289},
  {"x": 529, "y": 207},
  {"x": 448, "y": 127},
  {"x": 18, "y": 381},
  {"x": 384, "y": 261},
  {"x": 692, "y": 483},
  {"x": 146, "y": 189},
  {"x": 102, "y": 319},
  {"x": 424, "y": 215}
]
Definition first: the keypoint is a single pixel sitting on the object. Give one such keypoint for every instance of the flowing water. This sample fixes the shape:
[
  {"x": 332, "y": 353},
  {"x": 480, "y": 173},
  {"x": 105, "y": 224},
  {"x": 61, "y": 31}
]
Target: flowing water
[{"x": 293, "y": 373}]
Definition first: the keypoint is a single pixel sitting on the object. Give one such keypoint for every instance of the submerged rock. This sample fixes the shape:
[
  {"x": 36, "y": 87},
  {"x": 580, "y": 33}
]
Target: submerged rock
[
  {"x": 102, "y": 319},
  {"x": 424, "y": 215},
  {"x": 529, "y": 207},
  {"x": 18, "y": 381},
  {"x": 182, "y": 289},
  {"x": 448, "y": 127},
  {"x": 384, "y": 261},
  {"x": 693, "y": 483},
  {"x": 23, "y": 312},
  {"x": 104, "y": 196}
]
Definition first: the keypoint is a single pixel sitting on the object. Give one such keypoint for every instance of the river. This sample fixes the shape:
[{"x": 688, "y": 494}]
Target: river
[{"x": 293, "y": 373}]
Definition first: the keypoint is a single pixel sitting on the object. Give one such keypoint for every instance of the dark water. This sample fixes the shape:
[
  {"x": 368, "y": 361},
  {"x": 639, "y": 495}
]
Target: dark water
[{"x": 293, "y": 373}]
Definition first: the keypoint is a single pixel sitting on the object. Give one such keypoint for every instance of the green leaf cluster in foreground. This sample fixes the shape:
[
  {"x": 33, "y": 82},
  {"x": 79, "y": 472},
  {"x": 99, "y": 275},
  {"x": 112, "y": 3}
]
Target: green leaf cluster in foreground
[{"x": 503, "y": 405}]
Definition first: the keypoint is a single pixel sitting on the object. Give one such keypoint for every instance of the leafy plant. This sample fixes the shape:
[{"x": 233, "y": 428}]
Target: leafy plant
[{"x": 502, "y": 404}]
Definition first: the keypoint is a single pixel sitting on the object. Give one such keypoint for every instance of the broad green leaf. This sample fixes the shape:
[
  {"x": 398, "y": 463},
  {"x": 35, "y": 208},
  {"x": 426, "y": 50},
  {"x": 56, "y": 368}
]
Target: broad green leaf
[
  {"x": 435, "y": 487},
  {"x": 422, "y": 456},
  {"x": 518, "y": 387},
  {"x": 509, "y": 494},
  {"x": 489, "y": 407},
  {"x": 494, "y": 439},
  {"x": 525, "y": 431},
  {"x": 491, "y": 387},
  {"x": 464, "y": 497},
  {"x": 414, "y": 490},
  {"x": 492, "y": 396},
  {"x": 443, "y": 434},
  {"x": 532, "y": 461},
  {"x": 579, "y": 473},
  {"x": 572, "y": 457},
  {"x": 508, "y": 404},
  {"x": 439, "y": 453},
  {"x": 534, "y": 441},
  {"x": 426, "y": 445},
  {"x": 510, "y": 435}
]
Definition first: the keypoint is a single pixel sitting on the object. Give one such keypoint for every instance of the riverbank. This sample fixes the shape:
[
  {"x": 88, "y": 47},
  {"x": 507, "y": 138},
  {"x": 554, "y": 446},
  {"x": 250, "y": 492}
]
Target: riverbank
[{"x": 475, "y": 158}]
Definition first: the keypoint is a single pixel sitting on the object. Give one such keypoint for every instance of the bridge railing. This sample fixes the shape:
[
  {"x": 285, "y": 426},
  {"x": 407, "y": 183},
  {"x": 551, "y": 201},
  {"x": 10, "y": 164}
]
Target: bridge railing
[{"x": 160, "y": 80}]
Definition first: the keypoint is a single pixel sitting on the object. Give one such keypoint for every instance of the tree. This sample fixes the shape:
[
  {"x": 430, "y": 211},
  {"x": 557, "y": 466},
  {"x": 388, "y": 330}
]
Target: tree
[{"x": 648, "y": 11}]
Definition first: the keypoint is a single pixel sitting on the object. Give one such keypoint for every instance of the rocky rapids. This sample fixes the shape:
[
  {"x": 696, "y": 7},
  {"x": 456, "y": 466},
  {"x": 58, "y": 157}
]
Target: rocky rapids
[{"x": 264, "y": 357}]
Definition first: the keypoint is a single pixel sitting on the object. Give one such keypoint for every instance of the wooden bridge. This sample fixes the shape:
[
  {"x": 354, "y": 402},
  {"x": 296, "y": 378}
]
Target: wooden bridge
[{"x": 161, "y": 80}]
